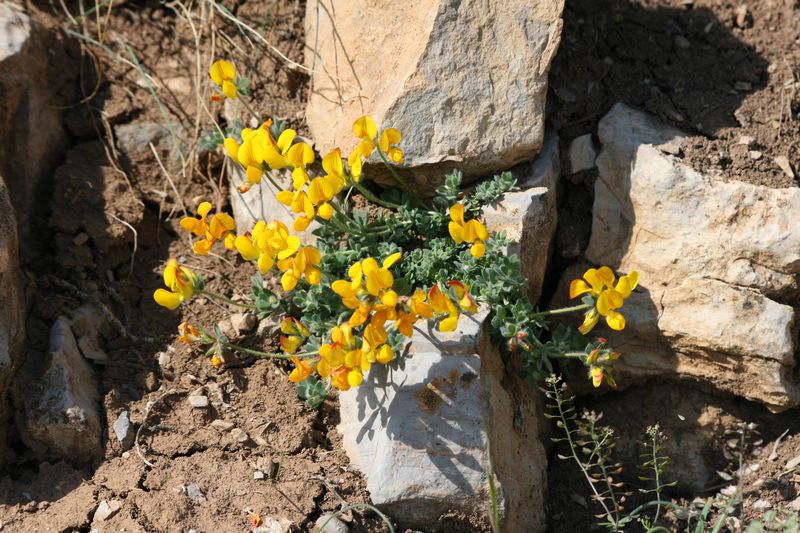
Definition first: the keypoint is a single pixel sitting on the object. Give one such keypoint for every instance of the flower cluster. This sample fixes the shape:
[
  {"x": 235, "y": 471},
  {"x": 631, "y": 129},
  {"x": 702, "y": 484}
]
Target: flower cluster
[
  {"x": 471, "y": 232},
  {"x": 367, "y": 132},
  {"x": 603, "y": 296},
  {"x": 182, "y": 284},
  {"x": 219, "y": 227},
  {"x": 259, "y": 151},
  {"x": 314, "y": 199},
  {"x": 599, "y": 361},
  {"x": 271, "y": 243}
]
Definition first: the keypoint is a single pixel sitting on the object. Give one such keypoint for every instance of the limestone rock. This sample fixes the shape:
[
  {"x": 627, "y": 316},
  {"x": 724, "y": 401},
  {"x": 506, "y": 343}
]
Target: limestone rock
[
  {"x": 123, "y": 429},
  {"x": 423, "y": 445},
  {"x": 529, "y": 216},
  {"x": 12, "y": 314},
  {"x": 582, "y": 153},
  {"x": 60, "y": 400},
  {"x": 719, "y": 263},
  {"x": 464, "y": 81}
]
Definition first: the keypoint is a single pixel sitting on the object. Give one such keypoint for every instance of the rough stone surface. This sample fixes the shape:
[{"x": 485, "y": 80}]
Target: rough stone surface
[
  {"x": 529, "y": 216},
  {"x": 30, "y": 111},
  {"x": 198, "y": 401},
  {"x": 582, "y": 153},
  {"x": 330, "y": 524},
  {"x": 719, "y": 263},
  {"x": 60, "y": 412},
  {"x": 464, "y": 81},
  {"x": 423, "y": 446},
  {"x": 12, "y": 316},
  {"x": 106, "y": 510}
]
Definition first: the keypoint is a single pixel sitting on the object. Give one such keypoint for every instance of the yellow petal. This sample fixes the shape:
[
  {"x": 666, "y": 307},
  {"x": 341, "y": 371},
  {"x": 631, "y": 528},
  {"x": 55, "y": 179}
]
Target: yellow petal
[
  {"x": 232, "y": 148},
  {"x": 395, "y": 155},
  {"x": 597, "y": 376},
  {"x": 301, "y": 223},
  {"x": 245, "y": 248},
  {"x": 449, "y": 323},
  {"x": 299, "y": 178},
  {"x": 578, "y": 287},
  {"x": 456, "y": 231},
  {"x": 254, "y": 174},
  {"x": 457, "y": 214},
  {"x": 615, "y": 321},
  {"x": 389, "y": 136},
  {"x": 625, "y": 285},
  {"x": 333, "y": 164},
  {"x": 265, "y": 263},
  {"x": 392, "y": 259},
  {"x": 285, "y": 140},
  {"x": 202, "y": 247},
  {"x": 289, "y": 281},
  {"x": 477, "y": 250},
  {"x": 384, "y": 354},
  {"x": 355, "y": 377},
  {"x": 364, "y": 128},
  {"x": 325, "y": 211},
  {"x": 589, "y": 321},
  {"x": 168, "y": 299},
  {"x": 229, "y": 89}
]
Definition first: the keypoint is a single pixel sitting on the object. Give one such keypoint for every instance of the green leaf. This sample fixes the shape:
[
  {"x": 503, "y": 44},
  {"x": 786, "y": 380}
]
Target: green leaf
[{"x": 313, "y": 391}]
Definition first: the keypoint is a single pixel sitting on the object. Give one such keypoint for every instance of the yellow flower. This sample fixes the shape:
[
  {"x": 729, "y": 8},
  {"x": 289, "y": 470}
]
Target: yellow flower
[
  {"x": 295, "y": 334},
  {"x": 218, "y": 227},
  {"x": 369, "y": 284},
  {"x": 188, "y": 333},
  {"x": 223, "y": 74},
  {"x": 364, "y": 128},
  {"x": 181, "y": 282},
  {"x": 471, "y": 232},
  {"x": 302, "y": 369},
  {"x": 603, "y": 296},
  {"x": 451, "y": 303},
  {"x": 600, "y": 361},
  {"x": 303, "y": 263},
  {"x": 217, "y": 361},
  {"x": 389, "y": 138},
  {"x": 267, "y": 243}
]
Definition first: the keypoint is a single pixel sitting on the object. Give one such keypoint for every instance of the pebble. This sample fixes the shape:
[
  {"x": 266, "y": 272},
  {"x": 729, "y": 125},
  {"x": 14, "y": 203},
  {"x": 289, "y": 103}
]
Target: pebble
[
  {"x": 80, "y": 239},
  {"x": 682, "y": 42},
  {"x": 222, "y": 425},
  {"x": 274, "y": 525},
  {"x": 123, "y": 430},
  {"x": 755, "y": 154},
  {"x": 244, "y": 322},
  {"x": 239, "y": 435},
  {"x": 198, "y": 401},
  {"x": 761, "y": 505},
  {"x": 258, "y": 475},
  {"x": 746, "y": 140},
  {"x": 164, "y": 359},
  {"x": 795, "y": 504},
  {"x": 783, "y": 162},
  {"x": 106, "y": 510},
  {"x": 582, "y": 153},
  {"x": 195, "y": 494},
  {"x": 671, "y": 148},
  {"x": 332, "y": 524},
  {"x": 743, "y": 18}
]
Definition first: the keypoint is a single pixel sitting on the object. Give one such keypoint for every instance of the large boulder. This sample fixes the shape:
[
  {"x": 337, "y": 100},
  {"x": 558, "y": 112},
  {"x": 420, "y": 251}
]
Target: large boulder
[
  {"x": 719, "y": 263},
  {"x": 12, "y": 313},
  {"x": 465, "y": 81},
  {"x": 420, "y": 430}
]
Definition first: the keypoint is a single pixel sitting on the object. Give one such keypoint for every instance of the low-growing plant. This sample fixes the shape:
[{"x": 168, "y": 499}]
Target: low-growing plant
[{"x": 352, "y": 299}]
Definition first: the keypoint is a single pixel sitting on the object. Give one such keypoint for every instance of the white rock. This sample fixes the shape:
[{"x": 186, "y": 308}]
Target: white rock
[
  {"x": 274, "y": 525},
  {"x": 582, "y": 153},
  {"x": 60, "y": 402},
  {"x": 222, "y": 425},
  {"x": 164, "y": 359},
  {"x": 755, "y": 154},
  {"x": 464, "y": 81},
  {"x": 244, "y": 322},
  {"x": 198, "y": 401},
  {"x": 422, "y": 445},
  {"x": 239, "y": 435},
  {"x": 529, "y": 216},
  {"x": 783, "y": 162},
  {"x": 331, "y": 525},
  {"x": 195, "y": 493},
  {"x": 258, "y": 475},
  {"x": 761, "y": 505},
  {"x": 713, "y": 257},
  {"x": 106, "y": 510}
]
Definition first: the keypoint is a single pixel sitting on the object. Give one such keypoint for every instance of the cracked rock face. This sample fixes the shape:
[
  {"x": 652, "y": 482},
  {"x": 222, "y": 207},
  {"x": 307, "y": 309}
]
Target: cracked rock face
[
  {"x": 719, "y": 263},
  {"x": 464, "y": 81}
]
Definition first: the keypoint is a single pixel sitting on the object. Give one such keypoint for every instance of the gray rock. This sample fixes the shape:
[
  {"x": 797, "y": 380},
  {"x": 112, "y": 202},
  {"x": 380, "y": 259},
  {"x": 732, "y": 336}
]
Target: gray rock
[
  {"x": 328, "y": 523},
  {"x": 582, "y": 153},
  {"x": 466, "y": 84},
  {"x": 239, "y": 435},
  {"x": 783, "y": 163},
  {"x": 682, "y": 42},
  {"x": 194, "y": 493},
  {"x": 719, "y": 262},
  {"x": 529, "y": 216},
  {"x": 423, "y": 446},
  {"x": 60, "y": 412},
  {"x": 198, "y": 401},
  {"x": 90, "y": 326},
  {"x": 244, "y": 322},
  {"x": 123, "y": 429},
  {"x": 258, "y": 475},
  {"x": 106, "y": 510},
  {"x": 222, "y": 425}
]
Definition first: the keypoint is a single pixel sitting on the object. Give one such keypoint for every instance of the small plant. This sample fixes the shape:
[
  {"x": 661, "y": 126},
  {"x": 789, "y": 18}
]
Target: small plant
[{"x": 352, "y": 299}]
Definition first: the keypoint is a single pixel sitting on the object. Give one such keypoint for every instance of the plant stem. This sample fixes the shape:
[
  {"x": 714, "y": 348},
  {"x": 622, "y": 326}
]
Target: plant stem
[
  {"x": 374, "y": 199},
  {"x": 266, "y": 355},
  {"x": 249, "y": 109},
  {"x": 394, "y": 173},
  {"x": 228, "y": 301},
  {"x": 561, "y": 311}
]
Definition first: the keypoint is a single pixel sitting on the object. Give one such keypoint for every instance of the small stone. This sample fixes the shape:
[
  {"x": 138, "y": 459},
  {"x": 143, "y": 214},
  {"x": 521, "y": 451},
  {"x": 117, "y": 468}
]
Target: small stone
[
  {"x": 761, "y": 505},
  {"x": 151, "y": 381},
  {"x": 274, "y": 525},
  {"x": 746, "y": 140},
  {"x": 164, "y": 359},
  {"x": 331, "y": 524},
  {"x": 258, "y": 475},
  {"x": 743, "y": 17},
  {"x": 755, "y": 154},
  {"x": 582, "y": 153},
  {"x": 80, "y": 239},
  {"x": 194, "y": 493},
  {"x": 682, "y": 42},
  {"x": 123, "y": 430},
  {"x": 671, "y": 148},
  {"x": 106, "y": 510},
  {"x": 244, "y": 322},
  {"x": 198, "y": 401},
  {"x": 783, "y": 162},
  {"x": 239, "y": 435},
  {"x": 222, "y": 425}
]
